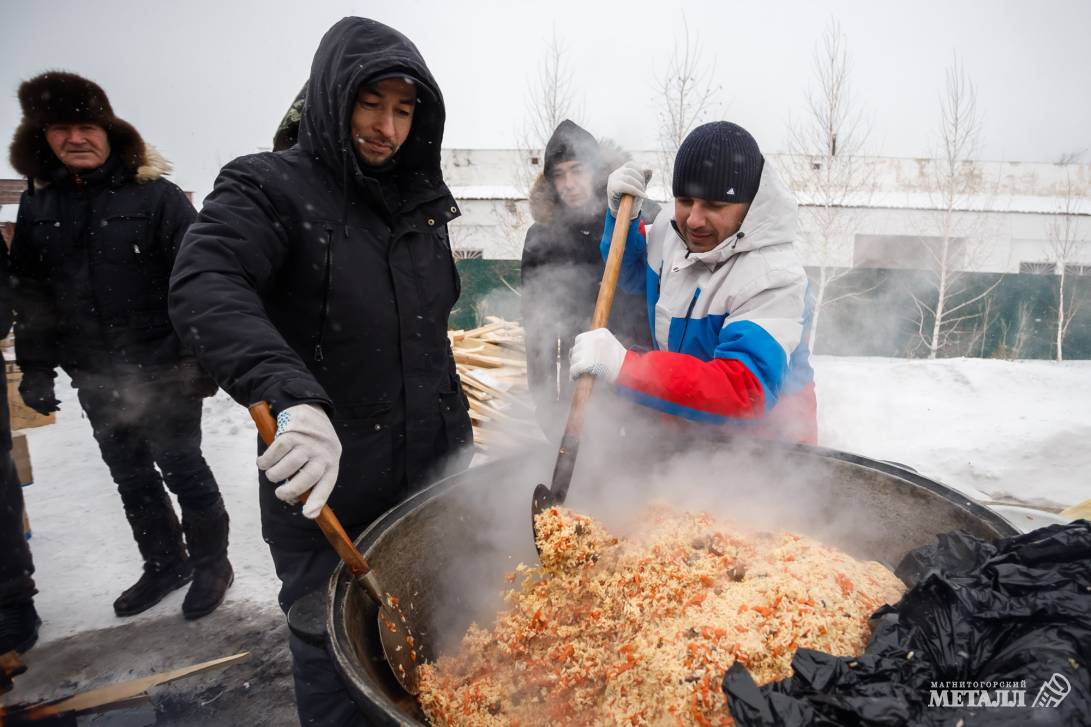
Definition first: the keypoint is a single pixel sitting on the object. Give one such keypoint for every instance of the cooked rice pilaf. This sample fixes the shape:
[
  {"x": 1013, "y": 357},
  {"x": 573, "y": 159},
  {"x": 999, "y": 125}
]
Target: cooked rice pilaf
[{"x": 640, "y": 630}]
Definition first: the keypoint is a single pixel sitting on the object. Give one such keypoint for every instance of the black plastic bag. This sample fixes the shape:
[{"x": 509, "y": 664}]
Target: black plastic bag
[{"x": 986, "y": 631}]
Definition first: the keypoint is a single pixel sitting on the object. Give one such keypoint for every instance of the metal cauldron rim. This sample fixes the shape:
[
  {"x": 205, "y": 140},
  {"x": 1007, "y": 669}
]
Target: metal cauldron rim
[{"x": 338, "y": 638}]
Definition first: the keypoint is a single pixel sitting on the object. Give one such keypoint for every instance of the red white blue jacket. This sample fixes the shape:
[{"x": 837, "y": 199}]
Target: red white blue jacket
[{"x": 729, "y": 325}]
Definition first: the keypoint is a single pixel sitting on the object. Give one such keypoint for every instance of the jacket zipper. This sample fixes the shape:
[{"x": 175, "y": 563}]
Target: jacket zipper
[
  {"x": 327, "y": 288},
  {"x": 685, "y": 325}
]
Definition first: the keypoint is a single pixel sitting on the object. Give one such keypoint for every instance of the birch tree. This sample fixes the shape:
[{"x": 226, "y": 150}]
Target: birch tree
[
  {"x": 551, "y": 98},
  {"x": 827, "y": 170},
  {"x": 956, "y": 180},
  {"x": 687, "y": 95},
  {"x": 1066, "y": 248}
]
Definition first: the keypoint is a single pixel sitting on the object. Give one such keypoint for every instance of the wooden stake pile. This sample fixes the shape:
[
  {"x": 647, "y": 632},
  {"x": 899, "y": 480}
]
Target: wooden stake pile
[{"x": 492, "y": 363}]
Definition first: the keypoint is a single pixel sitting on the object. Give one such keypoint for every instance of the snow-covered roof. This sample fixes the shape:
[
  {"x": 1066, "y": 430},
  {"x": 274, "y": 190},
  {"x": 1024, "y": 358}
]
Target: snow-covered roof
[
  {"x": 488, "y": 191},
  {"x": 1021, "y": 204},
  {"x": 1024, "y": 204}
]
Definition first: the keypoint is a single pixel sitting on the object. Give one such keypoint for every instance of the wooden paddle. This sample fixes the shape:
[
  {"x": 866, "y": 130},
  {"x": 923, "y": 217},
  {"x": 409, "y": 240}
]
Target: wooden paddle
[
  {"x": 399, "y": 646},
  {"x": 547, "y": 497}
]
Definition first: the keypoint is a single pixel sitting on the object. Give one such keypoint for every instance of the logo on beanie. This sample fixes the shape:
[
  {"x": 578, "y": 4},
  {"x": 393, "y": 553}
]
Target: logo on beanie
[{"x": 731, "y": 191}]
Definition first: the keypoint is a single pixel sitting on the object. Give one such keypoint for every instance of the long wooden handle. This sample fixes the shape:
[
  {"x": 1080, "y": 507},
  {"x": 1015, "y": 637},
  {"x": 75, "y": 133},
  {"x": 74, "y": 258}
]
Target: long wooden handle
[
  {"x": 115, "y": 694},
  {"x": 570, "y": 443},
  {"x": 327, "y": 521},
  {"x": 605, "y": 301}
]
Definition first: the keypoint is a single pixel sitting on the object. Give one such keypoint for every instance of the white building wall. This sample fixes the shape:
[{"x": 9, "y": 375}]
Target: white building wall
[{"x": 1007, "y": 219}]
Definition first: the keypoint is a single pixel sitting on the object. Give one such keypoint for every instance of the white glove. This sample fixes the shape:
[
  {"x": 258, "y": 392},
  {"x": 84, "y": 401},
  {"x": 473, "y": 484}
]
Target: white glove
[
  {"x": 627, "y": 179},
  {"x": 306, "y": 449},
  {"x": 597, "y": 353}
]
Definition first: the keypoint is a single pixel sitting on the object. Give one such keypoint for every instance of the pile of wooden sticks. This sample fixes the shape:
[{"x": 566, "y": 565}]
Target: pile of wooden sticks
[{"x": 492, "y": 363}]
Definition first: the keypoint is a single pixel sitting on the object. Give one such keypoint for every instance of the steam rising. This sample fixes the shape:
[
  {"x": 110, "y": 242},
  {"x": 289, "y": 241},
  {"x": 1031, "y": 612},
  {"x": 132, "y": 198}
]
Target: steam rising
[{"x": 630, "y": 458}]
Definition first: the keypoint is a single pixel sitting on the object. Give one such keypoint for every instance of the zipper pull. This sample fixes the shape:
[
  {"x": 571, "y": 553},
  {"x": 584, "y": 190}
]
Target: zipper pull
[{"x": 318, "y": 356}]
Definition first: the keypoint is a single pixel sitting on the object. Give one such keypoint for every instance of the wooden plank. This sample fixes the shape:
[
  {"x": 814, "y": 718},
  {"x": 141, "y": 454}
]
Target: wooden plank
[
  {"x": 20, "y": 454},
  {"x": 1078, "y": 511},
  {"x": 116, "y": 694},
  {"x": 21, "y": 415}
]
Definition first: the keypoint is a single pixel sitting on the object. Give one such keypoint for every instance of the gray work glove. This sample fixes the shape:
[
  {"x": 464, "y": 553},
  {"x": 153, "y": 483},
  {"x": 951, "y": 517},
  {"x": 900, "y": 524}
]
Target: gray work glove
[
  {"x": 306, "y": 455},
  {"x": 627, "y": 179},
  {"x": 596, "y": 352}
]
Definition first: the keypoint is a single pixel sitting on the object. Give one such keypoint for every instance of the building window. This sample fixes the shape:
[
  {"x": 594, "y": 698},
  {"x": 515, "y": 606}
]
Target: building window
[
  {"x": 466, "y": 253},
  {"x": 1076, "y": 269},
  {"x": 907, "y": 252},
  {"x": 1037, "y": 268}
]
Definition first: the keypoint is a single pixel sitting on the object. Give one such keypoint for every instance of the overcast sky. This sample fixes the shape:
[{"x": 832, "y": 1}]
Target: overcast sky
[{"x": 208, "y": 80}]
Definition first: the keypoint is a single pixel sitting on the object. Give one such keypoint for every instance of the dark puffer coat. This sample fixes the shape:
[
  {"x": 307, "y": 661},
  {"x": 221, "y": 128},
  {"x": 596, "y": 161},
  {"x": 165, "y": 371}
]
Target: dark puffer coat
[
  {"x": 561, "y": 271},
  {"x": 311, "y": 279},
  {"x": 90, "y": 263}
]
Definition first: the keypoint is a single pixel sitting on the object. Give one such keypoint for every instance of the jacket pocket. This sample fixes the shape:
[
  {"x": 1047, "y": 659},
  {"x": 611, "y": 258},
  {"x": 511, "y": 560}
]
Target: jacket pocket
[
  {"x": 370, "y": 480},
  {"x": 122, "y": 239},
  {"x": 45, "y": 237},
  {"x": 454, "y": 411}
]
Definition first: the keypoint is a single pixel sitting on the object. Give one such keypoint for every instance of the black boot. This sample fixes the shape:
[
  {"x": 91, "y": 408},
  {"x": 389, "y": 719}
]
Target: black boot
[
  {"x": 166, "y": 567},
  {"x": 206, "y": 538},
  {"x": 18, "y": 627}
]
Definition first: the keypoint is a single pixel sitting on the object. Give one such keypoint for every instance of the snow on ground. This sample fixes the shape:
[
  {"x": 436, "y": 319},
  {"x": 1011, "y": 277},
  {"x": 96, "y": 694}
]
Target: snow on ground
[
  {"x": 83, "y": 547},
  {"x": 1016, "y": 429}
]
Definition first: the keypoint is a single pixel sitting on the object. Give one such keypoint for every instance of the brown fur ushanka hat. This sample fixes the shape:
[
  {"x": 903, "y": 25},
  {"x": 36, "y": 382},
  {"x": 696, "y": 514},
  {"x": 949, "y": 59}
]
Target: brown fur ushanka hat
[{"x": 59, "y": 97}]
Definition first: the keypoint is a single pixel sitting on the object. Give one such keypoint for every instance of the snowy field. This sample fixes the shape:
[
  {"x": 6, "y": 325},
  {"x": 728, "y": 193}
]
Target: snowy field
[{"x": 992, "y": 429}]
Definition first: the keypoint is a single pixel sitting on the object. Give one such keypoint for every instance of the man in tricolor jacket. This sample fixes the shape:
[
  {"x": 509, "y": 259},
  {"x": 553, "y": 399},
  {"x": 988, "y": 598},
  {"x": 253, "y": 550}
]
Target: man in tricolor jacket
[{"x": 726, "y": 293}]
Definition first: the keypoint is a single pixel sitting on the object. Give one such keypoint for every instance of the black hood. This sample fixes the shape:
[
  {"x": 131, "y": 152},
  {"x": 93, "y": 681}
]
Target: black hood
[{"x": 352, "y": 52}]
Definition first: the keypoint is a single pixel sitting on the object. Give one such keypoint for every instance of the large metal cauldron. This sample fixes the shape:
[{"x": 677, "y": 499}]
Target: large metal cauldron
[{"x": 445, "y": 550}]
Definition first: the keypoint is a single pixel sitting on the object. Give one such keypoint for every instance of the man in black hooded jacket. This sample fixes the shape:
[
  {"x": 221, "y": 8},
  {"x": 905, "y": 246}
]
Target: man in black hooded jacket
[
  {"x": 562, "y": 267},
  {"x": 320, "y": 279}
]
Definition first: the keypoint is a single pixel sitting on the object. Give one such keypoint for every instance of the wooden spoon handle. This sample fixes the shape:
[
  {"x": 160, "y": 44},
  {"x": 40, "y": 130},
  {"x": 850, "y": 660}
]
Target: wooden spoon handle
[{"x": 327, "y": 521}]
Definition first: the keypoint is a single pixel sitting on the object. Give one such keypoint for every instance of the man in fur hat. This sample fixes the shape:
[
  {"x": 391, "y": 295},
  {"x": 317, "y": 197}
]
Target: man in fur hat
[
  {"x": 561, "y": 266},
  {"x": 95, "y": 240}
]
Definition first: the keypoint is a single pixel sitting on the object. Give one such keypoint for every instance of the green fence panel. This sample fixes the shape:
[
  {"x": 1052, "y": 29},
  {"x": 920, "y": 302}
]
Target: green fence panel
[
  {"x": 877, "y": 316},
  {"x": 489, "y": 287}
]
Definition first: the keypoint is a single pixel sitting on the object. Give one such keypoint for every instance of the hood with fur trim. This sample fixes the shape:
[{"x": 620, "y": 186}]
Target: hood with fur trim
[
  {"x": 545, "y": 205},
  {"x": 61, "y": 97}
]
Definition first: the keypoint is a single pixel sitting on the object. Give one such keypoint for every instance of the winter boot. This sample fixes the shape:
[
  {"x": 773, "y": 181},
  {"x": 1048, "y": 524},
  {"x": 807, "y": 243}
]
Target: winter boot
[
  {"x": 166, "y": 567},
  {"x": 206, "y": 537},
  {"x": 19, "y": 624}
]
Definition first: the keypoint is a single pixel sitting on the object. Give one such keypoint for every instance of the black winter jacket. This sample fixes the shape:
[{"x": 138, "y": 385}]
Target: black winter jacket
[
  {"x": 5, "y": 326},
  {"x": 561, "y": 270},
  {"x": 90, "y": 263},
  {"x": 310, "y": 279}
]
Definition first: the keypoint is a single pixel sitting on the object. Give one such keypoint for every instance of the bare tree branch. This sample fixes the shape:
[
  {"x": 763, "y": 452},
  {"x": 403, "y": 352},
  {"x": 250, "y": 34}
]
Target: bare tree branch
[
  {"x": 826, "y": 169},
  {"x": 687, "y": 94},
  {"x": 1066, "y": 246},
  {"x": 955, "y": 179},
  {"x": 551, "y": 98}
]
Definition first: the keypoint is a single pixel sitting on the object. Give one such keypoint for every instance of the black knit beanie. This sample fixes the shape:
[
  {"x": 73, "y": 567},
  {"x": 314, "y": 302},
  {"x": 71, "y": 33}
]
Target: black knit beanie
[
  {"x": 569, "y": 142},
  {"x": 718, "y": 161}
]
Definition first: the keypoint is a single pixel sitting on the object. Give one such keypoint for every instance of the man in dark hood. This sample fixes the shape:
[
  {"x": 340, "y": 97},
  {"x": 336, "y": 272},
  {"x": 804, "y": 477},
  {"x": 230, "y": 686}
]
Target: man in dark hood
[
  {"x": 320, "y": 279},
  {"x": 95, "y": 239},
  {"x": 561, "y": 266}
]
